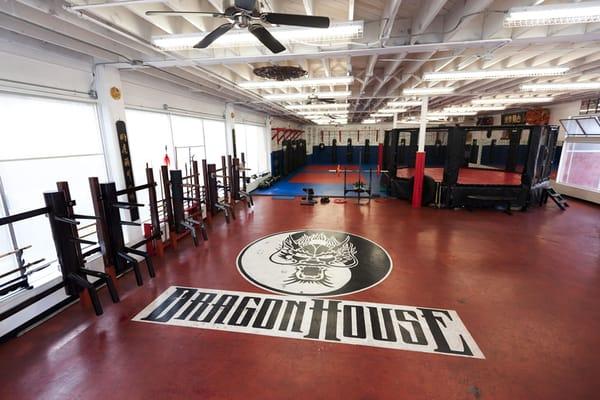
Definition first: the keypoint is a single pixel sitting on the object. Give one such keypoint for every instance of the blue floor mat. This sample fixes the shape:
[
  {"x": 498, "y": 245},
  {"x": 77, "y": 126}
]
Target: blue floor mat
[{"x": 286, "y": 188}]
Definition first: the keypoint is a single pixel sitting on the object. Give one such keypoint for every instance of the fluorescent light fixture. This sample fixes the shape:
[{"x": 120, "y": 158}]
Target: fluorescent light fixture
[
  {"x": 493, "y": 74},
  {"x": 338, "y": 31},
  {"x": 334, "y": 80},
  {"x": 331, "y": 122},
  {"x": 459, "y": 109},
  {"x": 442, "y": 114},
  {"x": 382, "y": 115},
  {"x": 393, "y": 110},
  {"x": 306, "y": 96},
  {"x": 406, "y": 103},
  {"x": 553, "y": 14},
  {"x": 416, "y": 121},
  {"x": 560, "y": 87},
  {"x": 512, "y": 100},
  {"x": 303, "y": 107},
  {"x": 370, "y": 121},
  {"x": 323, "y": 112},
  {"x": 428, "y": 91}
]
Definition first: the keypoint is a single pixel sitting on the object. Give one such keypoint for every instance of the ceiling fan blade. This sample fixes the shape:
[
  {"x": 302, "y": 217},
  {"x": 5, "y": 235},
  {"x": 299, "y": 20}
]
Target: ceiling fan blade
[
  {"x": 184, "y": 13},
  {"x": 266, "y": 38},
  {"x": 214, "y": 35},
  {"x": 310, "y": 21},
  {"x": 246, "y": 4}
]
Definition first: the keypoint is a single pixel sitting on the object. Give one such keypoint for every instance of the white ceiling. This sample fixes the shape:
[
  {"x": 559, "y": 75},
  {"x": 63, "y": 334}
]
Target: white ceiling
[{"x": 402, "y": 40}]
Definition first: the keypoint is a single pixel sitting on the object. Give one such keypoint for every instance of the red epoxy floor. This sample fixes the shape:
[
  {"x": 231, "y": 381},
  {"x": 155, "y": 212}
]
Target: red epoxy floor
[
  {"x": 526, "y": 286},
  {"x": 469, "y": 176}
]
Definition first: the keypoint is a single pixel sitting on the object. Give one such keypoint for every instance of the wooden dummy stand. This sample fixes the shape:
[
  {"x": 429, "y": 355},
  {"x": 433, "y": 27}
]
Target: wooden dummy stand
[
  {"x": 187, "y": 197},
  {"x": 238, "y": 174},
  {"x": 67, "y": 215},
  {"x": 214, "y": 202},
  {"x": 63, "y": 225},
  {"x": 110, "y": 231}
]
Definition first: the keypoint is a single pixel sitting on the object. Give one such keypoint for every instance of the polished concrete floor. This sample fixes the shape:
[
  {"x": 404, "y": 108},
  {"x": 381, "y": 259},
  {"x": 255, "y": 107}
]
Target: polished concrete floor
[{"x": 526, "y": 286}]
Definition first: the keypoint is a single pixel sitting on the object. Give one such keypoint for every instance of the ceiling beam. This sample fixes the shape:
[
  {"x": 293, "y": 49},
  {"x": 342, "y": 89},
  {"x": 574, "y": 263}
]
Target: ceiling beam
[
  {"x": 309, "y": 7},
  {"x": 354, "y": 52},
  {"x": 428, "y": 10},
  {"x": 115, "y": 3}
]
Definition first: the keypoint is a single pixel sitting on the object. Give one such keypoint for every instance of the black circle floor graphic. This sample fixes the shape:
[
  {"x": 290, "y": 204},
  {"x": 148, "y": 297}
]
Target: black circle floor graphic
[{"x": 314, "y": 263}]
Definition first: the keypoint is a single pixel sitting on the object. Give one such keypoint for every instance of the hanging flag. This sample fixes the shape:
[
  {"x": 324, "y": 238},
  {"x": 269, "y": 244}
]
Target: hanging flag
[{"x": 167, "y": 160}]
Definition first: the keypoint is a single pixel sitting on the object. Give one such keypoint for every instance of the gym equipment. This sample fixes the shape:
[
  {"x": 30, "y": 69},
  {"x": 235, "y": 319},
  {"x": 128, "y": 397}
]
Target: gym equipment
[
  {"x": 294, "y": 155},
  {"x": 359, "y": 187},
  {"x": 349, "y": 155},
  {"x": 238, "y": 174},
  {"x": 334, "y": 151},
  {"x": 71, "y": 259},
  {"x": 450, "y": 193},
  {"x": 325, "y": 200},
  {"x": 233, "y": 172},
  {"x": 309, "y": 199},
  {"x": 267, "y": 183},
  {"x": 118, "y": 255},
  {"x": 215, "y": 202},
  {"x": 184, "y": 217}
]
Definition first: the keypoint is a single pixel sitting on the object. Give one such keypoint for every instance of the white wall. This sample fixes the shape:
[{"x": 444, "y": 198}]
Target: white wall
[
  {"x": 35, "y": 63},
  {"x": 563, "y": 111}
]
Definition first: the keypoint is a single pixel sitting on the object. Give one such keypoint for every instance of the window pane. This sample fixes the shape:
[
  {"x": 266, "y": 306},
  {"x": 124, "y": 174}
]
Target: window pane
[
  {"x": 251, "y": 140},
  {"x": 580, "y": 165},
  {"x": 187, "y": 131},
  {"x": 149, "y": 140},
  {"x": 60, "y": 143},
  {"x": 216, "y": 145},
  {"x": 35, "y": 127},
  {"x": 188, "y": 137}
]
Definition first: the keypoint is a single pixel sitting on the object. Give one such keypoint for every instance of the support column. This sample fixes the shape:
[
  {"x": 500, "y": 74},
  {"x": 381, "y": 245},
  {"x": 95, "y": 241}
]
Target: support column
[
  {"x": 420, "y": 158},
  {"x": 110, "y": 110},
  {"x": 230, "y": 128},
  {"x": 395, "y": 123},
  {"x": 268, "y": 142}
]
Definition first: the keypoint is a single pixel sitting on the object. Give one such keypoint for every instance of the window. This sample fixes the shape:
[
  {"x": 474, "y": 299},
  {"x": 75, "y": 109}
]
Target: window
[
  {"x": 44, "y": 141},
  {"x": 182, "y": 138},
  {"x": 216, "y": 142},
  {"x": 188, "y": 138},
  {"x": 252, "y": 141},
  {"x": 580, "y": 165}
]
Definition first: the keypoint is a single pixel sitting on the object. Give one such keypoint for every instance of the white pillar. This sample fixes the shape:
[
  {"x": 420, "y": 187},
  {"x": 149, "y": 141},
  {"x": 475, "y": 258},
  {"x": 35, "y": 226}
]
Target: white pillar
[
  {"x": 395, "y": 123},
  {"x": 110, "y": 110},
  {"x": 229, "y": 127},
  {"x": 268, "y": 141},
  {"x": 423, "y": 124}
]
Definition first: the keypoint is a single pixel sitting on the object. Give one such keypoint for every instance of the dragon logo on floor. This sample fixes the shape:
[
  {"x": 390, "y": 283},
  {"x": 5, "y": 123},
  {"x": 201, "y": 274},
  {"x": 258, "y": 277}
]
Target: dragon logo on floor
[{"x": 314, "y": 262}]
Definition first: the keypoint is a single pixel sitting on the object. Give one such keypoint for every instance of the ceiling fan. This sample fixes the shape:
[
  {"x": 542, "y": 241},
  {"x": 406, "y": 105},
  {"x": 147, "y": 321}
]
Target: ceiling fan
[{"x": 244, "y": 14}]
